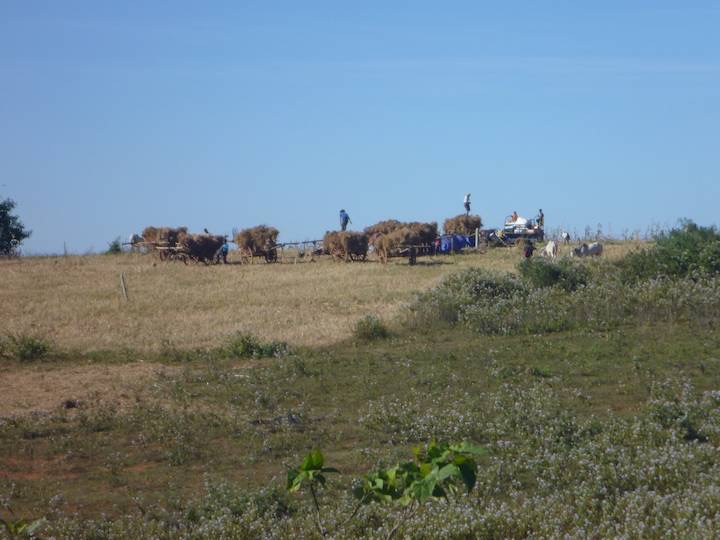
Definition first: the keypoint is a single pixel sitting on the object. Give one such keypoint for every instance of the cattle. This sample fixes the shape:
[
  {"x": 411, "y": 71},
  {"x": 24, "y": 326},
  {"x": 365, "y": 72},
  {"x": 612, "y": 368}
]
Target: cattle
[
  {"x": 593, "y": 250},
  {"x": 550, "y": 250},
  {"x": 565, "y": 236}
]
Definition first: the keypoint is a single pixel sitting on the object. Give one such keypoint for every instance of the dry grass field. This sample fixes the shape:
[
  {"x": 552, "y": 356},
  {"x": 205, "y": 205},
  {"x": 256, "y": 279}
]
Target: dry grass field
[{"x": 76, "y": 301}]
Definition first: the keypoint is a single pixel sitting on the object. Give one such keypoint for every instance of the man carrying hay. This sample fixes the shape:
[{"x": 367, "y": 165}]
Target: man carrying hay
[{"x": 344, "y": 220}]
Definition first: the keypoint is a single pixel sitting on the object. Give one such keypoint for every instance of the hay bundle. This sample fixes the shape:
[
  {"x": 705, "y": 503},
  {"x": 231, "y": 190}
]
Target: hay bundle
[
  {"x": 462, "y": 224},
  {"x": 425, "y": 233},
  {"x": 201, "y": 247},
  {"x": 346, "y": 245},
  {"x": 383, "y": 227},
  {"x": 411, "y": 234},
  {"x": 164, "y": 235},
  {"x": 417, "y": 233},
  {"x": 256, "y": 240}
]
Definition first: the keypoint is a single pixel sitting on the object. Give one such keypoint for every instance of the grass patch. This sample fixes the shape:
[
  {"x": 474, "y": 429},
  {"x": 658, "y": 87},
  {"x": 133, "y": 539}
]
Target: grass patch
[{"x": 369, "y": 328}]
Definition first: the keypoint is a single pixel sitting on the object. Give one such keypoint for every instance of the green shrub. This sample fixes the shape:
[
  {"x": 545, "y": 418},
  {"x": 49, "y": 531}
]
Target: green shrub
[
  {"x": 470, "y": 287},
  {"x": 114, "y": 247},
  {"x": 370, "y": 327},
  {"x": 564, "y": 273},
  {"x": 24, "y": 348},
  {"x": 688, "y": 250},
  {"x": 246, "y": 346}
]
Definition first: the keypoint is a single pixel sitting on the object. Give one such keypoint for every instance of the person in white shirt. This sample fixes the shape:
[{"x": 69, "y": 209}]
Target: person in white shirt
[{"x": 466, "y": 203}]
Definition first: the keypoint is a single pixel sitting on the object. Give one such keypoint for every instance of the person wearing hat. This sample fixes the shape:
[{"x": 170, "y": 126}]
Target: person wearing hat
[{"x": 344, "y": 219}]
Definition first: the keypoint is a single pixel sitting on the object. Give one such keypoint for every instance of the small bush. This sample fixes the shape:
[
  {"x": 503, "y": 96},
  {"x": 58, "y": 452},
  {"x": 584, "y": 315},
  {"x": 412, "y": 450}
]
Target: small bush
[
  {"x": 457, "y": 291},
  {"x": 564, "y": 273},
  {"x": 114, "y": 247},
  {"x": 24, "y": 348},
  {"x": 248, "y": 346},
  {"x": 370, "y": 327}
]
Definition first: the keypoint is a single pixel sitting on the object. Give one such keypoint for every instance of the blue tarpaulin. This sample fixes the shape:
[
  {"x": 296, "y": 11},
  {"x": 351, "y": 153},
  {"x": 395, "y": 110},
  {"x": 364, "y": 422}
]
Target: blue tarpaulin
[{"x": 455, "y": 242}]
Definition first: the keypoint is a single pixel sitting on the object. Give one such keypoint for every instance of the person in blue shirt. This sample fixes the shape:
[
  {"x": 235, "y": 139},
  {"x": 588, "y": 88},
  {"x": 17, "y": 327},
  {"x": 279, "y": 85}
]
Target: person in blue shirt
[
  {"x": 344, "y": 220},
  {"x": 222, "y": 252}
]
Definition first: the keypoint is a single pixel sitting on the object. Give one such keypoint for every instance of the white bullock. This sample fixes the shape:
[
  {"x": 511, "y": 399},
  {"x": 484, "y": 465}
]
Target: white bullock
[
  {"x": 550, "y": 250},
  {"x": 593, "y": 250}
]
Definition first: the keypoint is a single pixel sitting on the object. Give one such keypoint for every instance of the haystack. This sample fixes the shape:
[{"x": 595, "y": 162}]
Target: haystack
[
  {"x": 201, "y": 247},
  {"x": 423, "y": 233},
  {"x": 257, "y": 239},
  {"x": 346, "y": 245},
  {"x": 462, "y": 224},
  {"x": 411, "y": 234},
  {"x": 164, "y": 235},
  {"x": 383, "y": 227}
]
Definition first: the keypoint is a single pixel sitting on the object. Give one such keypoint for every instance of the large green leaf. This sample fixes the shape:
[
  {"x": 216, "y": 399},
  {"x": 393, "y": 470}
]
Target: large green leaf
[
  {"x": 448, "y": 471},
  {"x": 313, "y": 461},
  {"x": 294, "y": 479},
  {"x": 468, "y": 448},
  {"x": 423, "y": 489}
]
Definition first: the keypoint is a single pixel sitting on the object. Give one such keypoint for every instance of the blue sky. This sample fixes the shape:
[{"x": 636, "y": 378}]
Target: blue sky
[{"x": 117, "y": 115}]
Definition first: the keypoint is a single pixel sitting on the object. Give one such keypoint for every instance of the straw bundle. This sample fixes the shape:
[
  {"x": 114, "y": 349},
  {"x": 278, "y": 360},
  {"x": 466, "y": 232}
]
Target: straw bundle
[
  {"x": 257, "y": 239},
  {"x": 201, "y": 247},
  {"x": 462, "y": 224},
  {"x": 383, "y": 227},
  {"x": 424, "y": 233},
  {"x": 167, "y": 235},
  {"x": 347, "y": 245},
  {"x": 411, "y": 234}
]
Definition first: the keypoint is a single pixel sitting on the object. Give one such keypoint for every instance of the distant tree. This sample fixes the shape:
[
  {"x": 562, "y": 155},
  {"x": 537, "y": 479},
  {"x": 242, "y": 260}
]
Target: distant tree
[
  {"x": 12, "y": 231},
  {"x": 114, "y": 247}
]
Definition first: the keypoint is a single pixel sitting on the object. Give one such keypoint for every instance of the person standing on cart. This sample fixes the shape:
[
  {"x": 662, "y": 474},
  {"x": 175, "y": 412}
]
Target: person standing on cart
[
  {"x": 344, "y": 220},
  {"x": 466, "y": 204},
  {"x": 541, "y": 219}
]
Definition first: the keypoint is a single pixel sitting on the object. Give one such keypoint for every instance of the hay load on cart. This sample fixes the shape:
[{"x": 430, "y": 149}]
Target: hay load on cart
[
  {"x": 346, "y": 245},
  {"x": 164, "y": 235},
  {"x": 260, "y": 241},
  {"x": 462, "y": 224},
  {"x": 163, "y": 240},
  {"x": 199, "y": 247},
  {"x": 410, "y": 239}
]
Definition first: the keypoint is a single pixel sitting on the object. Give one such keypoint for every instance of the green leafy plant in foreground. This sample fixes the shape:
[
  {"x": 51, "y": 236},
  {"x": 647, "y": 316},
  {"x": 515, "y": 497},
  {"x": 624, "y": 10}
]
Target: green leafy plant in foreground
[
  {"x": 435, "y": 472},
  {"x": 311, "y": 472}
]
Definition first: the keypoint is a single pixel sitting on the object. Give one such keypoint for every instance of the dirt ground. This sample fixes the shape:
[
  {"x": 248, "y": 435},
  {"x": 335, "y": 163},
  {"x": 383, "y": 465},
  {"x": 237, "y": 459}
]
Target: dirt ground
[{"x": 39, "y": 389}]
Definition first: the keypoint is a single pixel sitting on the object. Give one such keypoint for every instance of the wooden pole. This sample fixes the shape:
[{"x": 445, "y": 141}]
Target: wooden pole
[{"x": 123, "y": 288}]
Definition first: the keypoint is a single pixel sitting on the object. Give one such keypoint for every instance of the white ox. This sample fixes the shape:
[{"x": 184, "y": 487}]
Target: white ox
[
  {"x": 550, "y": 250},
  {"x": 593, "y": 250}
]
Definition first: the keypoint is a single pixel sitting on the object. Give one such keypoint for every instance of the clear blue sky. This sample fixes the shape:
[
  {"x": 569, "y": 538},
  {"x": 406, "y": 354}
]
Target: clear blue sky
[{"x": 117, "y": 115}]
